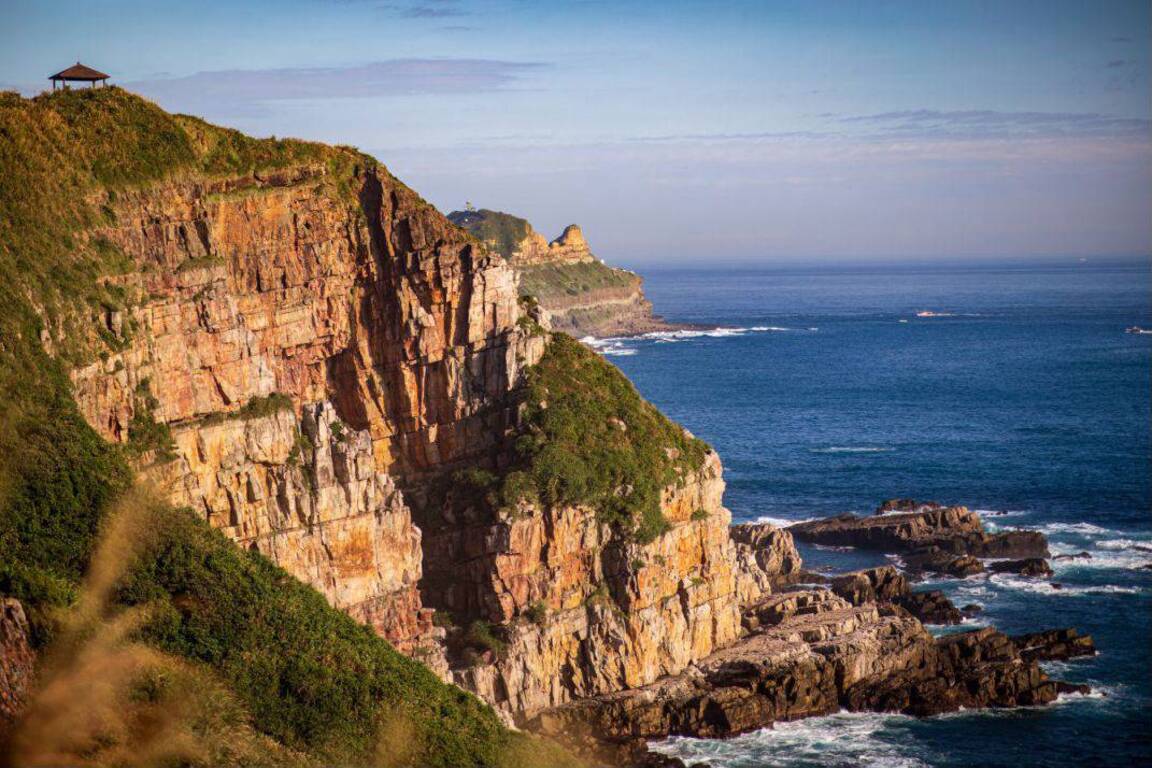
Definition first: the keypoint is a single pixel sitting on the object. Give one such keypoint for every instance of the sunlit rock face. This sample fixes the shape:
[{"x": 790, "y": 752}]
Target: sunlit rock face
[
  {"x": 384, "y": 341},
  {"x": 321, "y": 358}
]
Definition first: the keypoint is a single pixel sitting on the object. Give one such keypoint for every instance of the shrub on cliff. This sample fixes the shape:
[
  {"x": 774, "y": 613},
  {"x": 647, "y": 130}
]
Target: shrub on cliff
[{"x": 588, "y": 437}]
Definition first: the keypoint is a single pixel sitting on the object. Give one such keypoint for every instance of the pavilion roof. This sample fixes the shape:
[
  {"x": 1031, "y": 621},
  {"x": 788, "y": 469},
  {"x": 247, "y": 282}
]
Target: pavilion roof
[{"x": 79, "y": 72}]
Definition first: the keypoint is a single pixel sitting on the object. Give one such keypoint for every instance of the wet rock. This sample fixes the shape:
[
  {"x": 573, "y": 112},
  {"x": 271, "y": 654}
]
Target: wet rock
[
  {"x": 931, "y": 607},
  {"x": 808, "y": 664},
  {"x": 1054, "y": 645},
  {"x": 930, "y": 538},
  {"x": 1076, "y": 556},
  {"x": 971, "y": 609},
  {"x": 944, "y": 563},
  {"x": 886, "y": 585},
  {"x": 1031, "y": 566},
  {"x": 906, "y": 505}
]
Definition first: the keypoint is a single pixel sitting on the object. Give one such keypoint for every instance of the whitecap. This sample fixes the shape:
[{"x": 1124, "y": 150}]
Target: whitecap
[
  {"x": 1087, "y": 529},
  {"x": 1116, "y": 554},
  {"x": 840, "y": 739},
  {"x": 852, "y": 449},
  {"x": 1039, "y": 587},
  {"x": 781, "y": 522}
]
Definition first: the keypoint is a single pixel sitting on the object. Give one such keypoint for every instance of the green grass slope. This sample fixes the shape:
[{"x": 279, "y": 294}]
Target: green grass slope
[
  {"x": 588, "y": 437},
  {"x": 303, "y": 674}
]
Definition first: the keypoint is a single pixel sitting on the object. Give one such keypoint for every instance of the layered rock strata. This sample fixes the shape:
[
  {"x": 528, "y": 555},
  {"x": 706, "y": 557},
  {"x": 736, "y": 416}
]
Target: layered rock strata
[
  {"x": 309, "y": 348},
  {"x": 853, "y": 645},
  {"x": 581, "y": 611}
]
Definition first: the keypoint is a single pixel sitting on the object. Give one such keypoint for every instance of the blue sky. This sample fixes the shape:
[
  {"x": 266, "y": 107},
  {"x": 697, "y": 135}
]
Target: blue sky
[{"x": 680, "y": 132}]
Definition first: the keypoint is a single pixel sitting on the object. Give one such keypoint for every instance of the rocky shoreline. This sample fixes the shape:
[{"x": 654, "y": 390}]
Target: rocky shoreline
[{"x": 815, "y": 644}]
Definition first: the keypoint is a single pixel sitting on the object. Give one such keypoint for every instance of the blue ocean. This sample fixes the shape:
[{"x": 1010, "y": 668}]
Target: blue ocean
[{"x": 1013, "y": 390}]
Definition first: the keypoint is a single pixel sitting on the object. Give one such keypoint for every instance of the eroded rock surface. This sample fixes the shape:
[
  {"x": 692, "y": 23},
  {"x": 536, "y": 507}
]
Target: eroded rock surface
[
  {"x": 929, "y": 537},
  {"x": 17, "y": 662}
]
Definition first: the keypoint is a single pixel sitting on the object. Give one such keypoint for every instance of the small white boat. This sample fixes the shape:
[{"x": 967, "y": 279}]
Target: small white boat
[{"x": 1137, "y": 329}]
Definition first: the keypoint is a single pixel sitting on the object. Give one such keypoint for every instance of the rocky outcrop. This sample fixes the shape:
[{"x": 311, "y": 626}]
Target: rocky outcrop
[
  {"x": 1054, "y": 645},
  {"x": 584, "y": 296},
  {"x": 930, "y": 538},
  {"x": 1030, "y": 566},
  {"x": 766, "y": 559},
  {"x": 581, "y": 611},
  {"x": 887, "y": 586},
  {"x": 812, "y": 663},
  {"x": 17, "y": 662}
]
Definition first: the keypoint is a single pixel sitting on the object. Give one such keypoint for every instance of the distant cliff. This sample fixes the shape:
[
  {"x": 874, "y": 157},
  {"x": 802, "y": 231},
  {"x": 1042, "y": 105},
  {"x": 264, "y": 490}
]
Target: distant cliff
[{"x": 584, "y": 295}]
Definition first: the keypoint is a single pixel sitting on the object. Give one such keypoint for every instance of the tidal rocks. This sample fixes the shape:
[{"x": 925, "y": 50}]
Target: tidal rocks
[
  {"x": 933, "y": 560},
  {"x": 1054, "y": 645},
  {"x": 932, "y": 538},
  {"x": 17, "y": 662},
  {"x": 1030, "y": 566},
  {"x": 906, "y": 505},
  {"x": 812, "y": 663},
  {"x": 931, "y": 607},
  {"x": 886, "y": 585}
]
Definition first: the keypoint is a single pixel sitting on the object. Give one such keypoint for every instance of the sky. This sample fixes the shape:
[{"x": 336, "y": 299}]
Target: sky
[{"x": 679, "y": 133}]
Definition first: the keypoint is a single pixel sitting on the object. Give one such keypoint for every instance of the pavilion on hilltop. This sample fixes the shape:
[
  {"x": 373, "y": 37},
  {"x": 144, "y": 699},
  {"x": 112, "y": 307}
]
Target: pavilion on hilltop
[{"x": 78, "y": 73}]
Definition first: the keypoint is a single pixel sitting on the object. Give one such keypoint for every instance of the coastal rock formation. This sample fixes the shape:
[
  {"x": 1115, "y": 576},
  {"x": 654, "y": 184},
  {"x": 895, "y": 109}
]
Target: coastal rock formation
[
  {"x": 307, "y": 349},
  {"x": 314, "y": 360},
  {"x": 17, "y": 662},
  {"x": 811, "y": 663},
  {"x": 584, "y": 296},
  {"x": 886, "y": 585},
  {"x": 583, "y": 612},
  {"x": 1054, "y": 645},
  {"x": 927, "y": 536}
]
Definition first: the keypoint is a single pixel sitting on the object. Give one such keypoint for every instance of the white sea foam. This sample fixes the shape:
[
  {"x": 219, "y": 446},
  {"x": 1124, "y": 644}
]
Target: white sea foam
[
  {"x": 851, "y": 449},
  {"x": 1085, "y": 529},
  {"x": 1117, "y": 554},
  {"x": 609, "y": 346},
  {"x": 841, "y": 739},
  {"x": 781, "y": 522},
  {"x": 1040, "y": 587},
  {"x": 995, "y": 513}
]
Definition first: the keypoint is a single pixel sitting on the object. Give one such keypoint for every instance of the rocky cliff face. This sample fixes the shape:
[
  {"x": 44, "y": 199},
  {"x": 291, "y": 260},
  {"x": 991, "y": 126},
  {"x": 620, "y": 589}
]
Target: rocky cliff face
[
  {"x": 17, "y": 662},
  {"x": 584, "y": 612},
  {"x": 323, "y": 349},
  {"x": 304, "y": 349},
  {"x": 583, "y": 295}
]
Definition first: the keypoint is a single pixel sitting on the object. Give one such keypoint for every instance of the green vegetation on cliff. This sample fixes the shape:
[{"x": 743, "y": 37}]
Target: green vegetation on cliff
[
  {"x": 327, "y": 690},
  {"x": 588, "y": 437},
  {"x": 503, "y": 232},
  {"x": 556, "y": 283}
]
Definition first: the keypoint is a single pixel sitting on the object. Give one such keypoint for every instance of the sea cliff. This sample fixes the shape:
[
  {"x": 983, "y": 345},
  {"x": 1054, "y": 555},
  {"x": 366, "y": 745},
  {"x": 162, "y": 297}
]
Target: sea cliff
[
  {"x": 343, "y": 402},
  {"x": 584, "y": 296}
]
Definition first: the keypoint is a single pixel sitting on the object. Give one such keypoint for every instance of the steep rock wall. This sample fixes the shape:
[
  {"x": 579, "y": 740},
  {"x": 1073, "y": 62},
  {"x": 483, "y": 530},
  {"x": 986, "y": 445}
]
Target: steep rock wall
[
  {"x": 584, "y": 611},
  {"x": 384, "y": 341}
]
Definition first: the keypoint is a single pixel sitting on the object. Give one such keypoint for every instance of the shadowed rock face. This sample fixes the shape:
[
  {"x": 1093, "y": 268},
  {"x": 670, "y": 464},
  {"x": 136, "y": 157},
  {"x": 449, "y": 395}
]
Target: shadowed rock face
[{"x": 17, "y": 662}]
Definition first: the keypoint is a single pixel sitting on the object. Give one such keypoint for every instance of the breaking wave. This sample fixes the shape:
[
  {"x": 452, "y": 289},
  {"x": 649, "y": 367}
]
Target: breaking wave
[
  {"x": 851, "y": 449},
  {"x": 836, "y": 740}
]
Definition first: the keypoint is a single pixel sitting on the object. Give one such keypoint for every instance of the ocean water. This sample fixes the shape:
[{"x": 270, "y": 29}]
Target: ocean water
[{"x": 825, "y": 393}]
